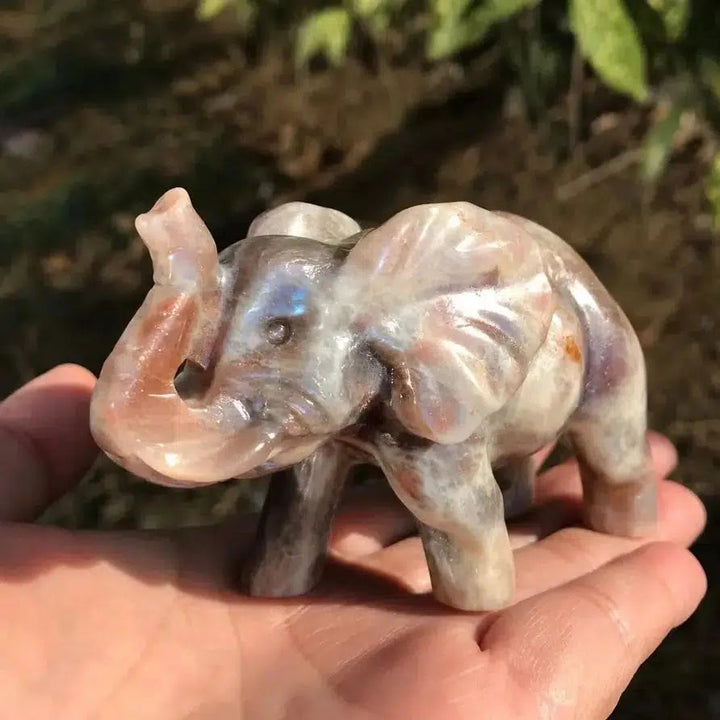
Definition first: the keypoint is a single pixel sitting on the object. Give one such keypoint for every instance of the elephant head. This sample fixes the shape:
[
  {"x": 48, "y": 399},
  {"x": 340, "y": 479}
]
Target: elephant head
[
  {"x": 243, "y": 329},
  {"x": 290, "y": 334}
]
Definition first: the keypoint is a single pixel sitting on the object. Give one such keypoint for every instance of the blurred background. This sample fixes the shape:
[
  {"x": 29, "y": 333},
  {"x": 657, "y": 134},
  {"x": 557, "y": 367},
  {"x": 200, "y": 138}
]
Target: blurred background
[{"x": 597, "y": 119}]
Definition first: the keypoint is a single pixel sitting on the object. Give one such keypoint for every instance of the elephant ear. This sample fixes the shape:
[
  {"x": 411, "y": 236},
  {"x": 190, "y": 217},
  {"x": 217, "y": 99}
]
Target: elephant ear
[
  {"x": 455, "y": 300},
  {"x": 307, "y": 221}
]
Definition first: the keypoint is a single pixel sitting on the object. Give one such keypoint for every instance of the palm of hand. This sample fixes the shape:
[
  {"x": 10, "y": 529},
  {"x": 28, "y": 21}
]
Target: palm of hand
[{"x": 148, "y": 625}]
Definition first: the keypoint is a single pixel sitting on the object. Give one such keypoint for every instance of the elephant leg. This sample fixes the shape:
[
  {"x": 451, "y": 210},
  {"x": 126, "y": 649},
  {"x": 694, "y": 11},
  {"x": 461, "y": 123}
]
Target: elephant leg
[
  {"x": 609, "y": 436},
  {"x": 453, "y": 494},
  {"x": 289, "y": 552},
  {"x": 516, "y": 479}
]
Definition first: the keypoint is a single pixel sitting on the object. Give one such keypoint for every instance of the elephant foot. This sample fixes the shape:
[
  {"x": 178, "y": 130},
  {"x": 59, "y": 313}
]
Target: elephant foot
[
  {"x": 475, "y": 575},
  {"x": 627, "y": 509},
  {"x": 278, "y": 573}
]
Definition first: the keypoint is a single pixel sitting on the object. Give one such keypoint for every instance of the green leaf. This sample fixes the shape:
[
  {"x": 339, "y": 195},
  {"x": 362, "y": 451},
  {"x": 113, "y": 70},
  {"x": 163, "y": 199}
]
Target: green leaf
[
  {"x": 610, "y": 41},
  {"x": 447, "y": 38},
  {"x": 207, "y": 9},
  {"x": 675, "y": 15},
  {"x": 454, "y": 32},
  {"x": 378, "y": 24},
  {"x": 366, "y": 9},
  {"x": 327, "y": 33},
  {"x": 446, "y": 9},
  {"x": 246, "y": 13},
  {"x": 658, "y": 143},
  {"x": 712, "y": 191},
  {"x": 375, "y": 14},
  {"x": 504, "y": 9},
  {"x": 710, "y": 75}
]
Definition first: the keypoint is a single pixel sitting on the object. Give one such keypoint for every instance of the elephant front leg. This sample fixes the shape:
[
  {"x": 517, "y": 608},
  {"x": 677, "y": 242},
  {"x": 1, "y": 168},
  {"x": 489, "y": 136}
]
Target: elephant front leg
[
  {"x": 452, "y": 492},
  {"x": 289, "y": 552}
]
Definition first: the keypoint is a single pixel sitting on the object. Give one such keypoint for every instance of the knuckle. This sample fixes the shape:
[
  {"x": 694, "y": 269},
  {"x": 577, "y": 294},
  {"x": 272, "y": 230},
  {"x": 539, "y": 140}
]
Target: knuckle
[{"x": 605, "y": 607}]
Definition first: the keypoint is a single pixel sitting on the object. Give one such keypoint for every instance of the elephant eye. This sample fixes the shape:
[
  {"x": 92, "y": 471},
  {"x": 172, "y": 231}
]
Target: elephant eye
[{"x": 278, "y": 332}]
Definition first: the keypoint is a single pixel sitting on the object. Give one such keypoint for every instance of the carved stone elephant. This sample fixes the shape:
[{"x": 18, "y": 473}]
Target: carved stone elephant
[{"x": 446, "y": 346}]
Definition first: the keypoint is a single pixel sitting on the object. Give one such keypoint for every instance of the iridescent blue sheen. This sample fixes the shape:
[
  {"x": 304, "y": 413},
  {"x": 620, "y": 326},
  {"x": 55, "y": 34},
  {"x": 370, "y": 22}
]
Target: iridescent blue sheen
[{"x": 289, "y": 301}]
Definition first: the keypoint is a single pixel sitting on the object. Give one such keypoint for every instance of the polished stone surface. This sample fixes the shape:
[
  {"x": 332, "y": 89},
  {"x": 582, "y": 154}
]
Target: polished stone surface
[{"x": 446, "y": 346}]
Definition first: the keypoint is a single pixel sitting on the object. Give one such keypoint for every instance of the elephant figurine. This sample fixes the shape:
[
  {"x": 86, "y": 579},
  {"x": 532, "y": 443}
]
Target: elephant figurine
[{"x": 445, "y": 346}]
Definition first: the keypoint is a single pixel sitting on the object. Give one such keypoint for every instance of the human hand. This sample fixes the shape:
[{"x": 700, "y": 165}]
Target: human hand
[{"x": 149, "y": 625}]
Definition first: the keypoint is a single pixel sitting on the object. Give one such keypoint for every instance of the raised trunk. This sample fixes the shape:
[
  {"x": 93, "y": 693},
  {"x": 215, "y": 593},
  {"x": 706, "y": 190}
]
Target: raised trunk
[{"x": 137, "y": 415}]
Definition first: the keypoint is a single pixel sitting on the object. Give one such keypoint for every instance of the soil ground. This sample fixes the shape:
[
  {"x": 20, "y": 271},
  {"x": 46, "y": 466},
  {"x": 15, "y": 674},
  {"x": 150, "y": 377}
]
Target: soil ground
[{"x": 125, "y": 103}]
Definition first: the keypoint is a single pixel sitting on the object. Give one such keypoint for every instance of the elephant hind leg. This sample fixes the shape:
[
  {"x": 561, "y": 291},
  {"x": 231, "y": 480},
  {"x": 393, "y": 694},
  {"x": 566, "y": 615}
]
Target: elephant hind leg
[
  {"x": 516, "y": 479},
  {"x": 609, "y": 434}
]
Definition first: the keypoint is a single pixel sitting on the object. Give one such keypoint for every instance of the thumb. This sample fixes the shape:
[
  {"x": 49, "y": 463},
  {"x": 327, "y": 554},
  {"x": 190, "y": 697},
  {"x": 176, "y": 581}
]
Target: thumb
[{"x": 45, "y": 442}]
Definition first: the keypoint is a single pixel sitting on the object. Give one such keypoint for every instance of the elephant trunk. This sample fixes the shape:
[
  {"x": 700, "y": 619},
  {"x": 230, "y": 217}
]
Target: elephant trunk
[{"x": 137, "y": 416}]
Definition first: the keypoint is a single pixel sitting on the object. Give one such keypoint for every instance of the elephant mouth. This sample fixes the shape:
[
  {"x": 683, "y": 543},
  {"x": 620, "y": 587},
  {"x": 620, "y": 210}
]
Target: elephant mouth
[
  {"x": 292, "y": 451},
  {"x": 168, "y": 482},
  {"x": 302, "y": 419},
  {"x": 142, "y": 470},
  {"x": 288, "y": 401},
  {"x": 299, "y": 412}
]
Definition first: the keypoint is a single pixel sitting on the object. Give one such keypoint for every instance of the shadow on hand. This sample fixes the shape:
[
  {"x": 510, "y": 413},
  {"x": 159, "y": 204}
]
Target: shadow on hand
[{"x": 202, "y": 561}]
